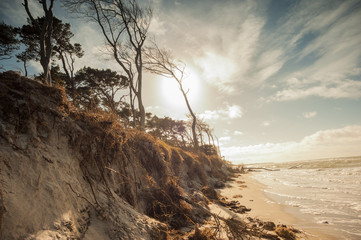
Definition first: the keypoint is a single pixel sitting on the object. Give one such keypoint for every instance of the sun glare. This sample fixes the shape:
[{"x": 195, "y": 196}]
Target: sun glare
[{"x": 172, "y": 95}]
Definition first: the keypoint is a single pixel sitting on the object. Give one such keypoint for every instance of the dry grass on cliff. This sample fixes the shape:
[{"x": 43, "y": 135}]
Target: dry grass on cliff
[
  {"x": 202, "y": 234},
  {"x": 139, "y": 168}
]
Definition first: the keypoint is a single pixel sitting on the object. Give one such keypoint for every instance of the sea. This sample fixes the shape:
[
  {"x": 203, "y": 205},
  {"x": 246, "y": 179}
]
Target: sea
[{"x": 323, "y": 194}]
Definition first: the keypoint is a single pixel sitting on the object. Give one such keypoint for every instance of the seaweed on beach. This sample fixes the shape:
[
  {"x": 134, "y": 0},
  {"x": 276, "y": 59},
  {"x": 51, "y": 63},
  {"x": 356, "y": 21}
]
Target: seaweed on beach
[{"x": 285, "y": 232}]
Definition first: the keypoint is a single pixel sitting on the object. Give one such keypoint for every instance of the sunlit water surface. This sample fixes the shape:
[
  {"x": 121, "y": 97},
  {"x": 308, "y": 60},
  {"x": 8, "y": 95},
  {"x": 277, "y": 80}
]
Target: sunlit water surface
[{"x": 324, "y": 192}]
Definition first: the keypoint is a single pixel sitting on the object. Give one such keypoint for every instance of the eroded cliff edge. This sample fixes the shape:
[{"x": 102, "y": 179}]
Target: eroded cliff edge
[{"x": 69, "y": 174}]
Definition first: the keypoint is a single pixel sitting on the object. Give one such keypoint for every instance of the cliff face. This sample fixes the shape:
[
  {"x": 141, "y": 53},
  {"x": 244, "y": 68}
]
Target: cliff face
[{"x": 70, "y": 174}]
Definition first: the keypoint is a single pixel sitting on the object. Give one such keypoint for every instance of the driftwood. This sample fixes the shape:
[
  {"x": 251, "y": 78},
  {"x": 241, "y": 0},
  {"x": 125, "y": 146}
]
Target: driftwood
[
  {"x": 233, "y": 226},
  {"x": 200, "y": 207},
  {"x": 260, "y": 168}
]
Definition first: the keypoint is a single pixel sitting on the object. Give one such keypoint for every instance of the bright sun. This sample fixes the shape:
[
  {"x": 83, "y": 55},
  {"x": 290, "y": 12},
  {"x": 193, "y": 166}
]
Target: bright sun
[{"x": 173, "y": 96}]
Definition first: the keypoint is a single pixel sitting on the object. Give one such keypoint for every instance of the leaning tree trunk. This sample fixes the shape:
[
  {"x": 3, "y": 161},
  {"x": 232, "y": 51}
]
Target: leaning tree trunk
[
  {"x": 45, "y": 45},
  {"x": 139, "y": 63},
  {"x": 141, "y": 108},
  {"x": 25, "y": 68},
  {"x": 194, "y": 123},
  {"x": 45, "y": 36}
]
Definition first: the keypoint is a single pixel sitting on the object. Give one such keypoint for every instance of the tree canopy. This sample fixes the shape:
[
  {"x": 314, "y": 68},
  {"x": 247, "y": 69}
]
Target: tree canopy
[
  {"x": 8, "y": 41},
  {"x": 99, "y": 88},
  {"x": 124, "y": 25},
  {"x": 62, "y": 48},
  {"x": 45, "y": 37}
]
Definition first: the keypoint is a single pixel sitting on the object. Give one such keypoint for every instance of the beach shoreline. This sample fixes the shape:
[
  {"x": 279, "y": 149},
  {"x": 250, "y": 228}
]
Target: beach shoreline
[{"x": 250, "y": 193}]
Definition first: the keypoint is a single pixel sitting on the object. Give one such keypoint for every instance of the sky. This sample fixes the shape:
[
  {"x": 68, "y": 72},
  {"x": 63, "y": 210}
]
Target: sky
[{"x": 277, "y": 80}]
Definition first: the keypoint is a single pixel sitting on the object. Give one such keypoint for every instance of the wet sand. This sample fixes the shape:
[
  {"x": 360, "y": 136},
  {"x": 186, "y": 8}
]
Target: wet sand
[{"x": 250, "y": 193}]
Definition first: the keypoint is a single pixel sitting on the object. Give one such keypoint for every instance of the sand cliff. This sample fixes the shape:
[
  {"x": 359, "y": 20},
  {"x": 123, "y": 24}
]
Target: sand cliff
[{"x": 68, "y": 174}]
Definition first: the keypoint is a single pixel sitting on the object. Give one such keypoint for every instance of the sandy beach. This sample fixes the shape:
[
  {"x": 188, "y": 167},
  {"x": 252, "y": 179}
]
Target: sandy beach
[{"x": 250, "y": 193}]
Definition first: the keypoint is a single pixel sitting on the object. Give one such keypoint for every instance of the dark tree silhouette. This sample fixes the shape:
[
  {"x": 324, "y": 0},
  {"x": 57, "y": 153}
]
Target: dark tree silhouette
[
  {"x": 66, "y": 52},
  {"x": 62, "y": 48},
  {"x": 124, "y": 25},
  {"x": 45, "y": 40},
  {"x": 57, "y": 77},
  {"x": 173, "y": 132},
  {"x": 8, "y": 41},
  {"x": 29, "y": 37},
  {"x": 100, "y": 87}
]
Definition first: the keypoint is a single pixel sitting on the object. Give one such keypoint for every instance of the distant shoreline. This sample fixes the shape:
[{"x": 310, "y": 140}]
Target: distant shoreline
[{"x": 264, "y": 164}]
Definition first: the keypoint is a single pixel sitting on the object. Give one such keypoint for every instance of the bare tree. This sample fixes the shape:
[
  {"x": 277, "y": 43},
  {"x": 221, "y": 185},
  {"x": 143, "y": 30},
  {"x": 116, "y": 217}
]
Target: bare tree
[
  {"x": 124, "y": 25},
  {"x": 66, "y": 52},
  {"x": 45, "y": 40},
  {"x": 137, "y": 21},
  {"x": 202, "y": 128},
  {"x": 161, "y": 62}
]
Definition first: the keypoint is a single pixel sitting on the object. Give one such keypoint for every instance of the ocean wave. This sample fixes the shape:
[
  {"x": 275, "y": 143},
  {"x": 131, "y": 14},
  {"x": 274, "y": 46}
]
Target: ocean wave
[
  {"x": 354, "y": 232},
  {"x": 356, "y": 206},
  {"x": 323, "y": 192},
  {"x": 286, "y": 195}
]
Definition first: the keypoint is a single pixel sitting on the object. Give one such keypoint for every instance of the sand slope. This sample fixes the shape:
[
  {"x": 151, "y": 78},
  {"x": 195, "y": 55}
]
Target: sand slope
[{"x": 67, "y": 174}]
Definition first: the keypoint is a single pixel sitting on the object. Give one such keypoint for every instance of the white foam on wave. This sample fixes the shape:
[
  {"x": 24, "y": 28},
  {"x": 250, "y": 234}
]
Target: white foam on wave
[
  {"x": 355, "y": 206},
  {"x": 328, "y": 194},
  {"x": 285, "y": 195},
  {"x": 354, "y": 232}
]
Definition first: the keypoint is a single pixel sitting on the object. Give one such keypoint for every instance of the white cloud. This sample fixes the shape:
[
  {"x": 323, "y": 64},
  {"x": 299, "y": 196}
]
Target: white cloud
[
  {"x": 345, "y": 141},
  {"x": 309, "y": 114},
  {"x": 332, "y": 137},
  {"x": 257, "y": 153},
  {"x": 269, "y": 63},
  {"x": 224, "y": 140},
  {"x": 293, "y": 82},
  {"x": 218, "y": 69},
  {"x": 337, "y": 89},
  {"x": 268, "y": 71},
  {"x": 152, "y": 108},
  {"x": 157, "y": 26},
  {"x": 334, "y": 24},
  {"x": 240, "y": 56},
  {"x": 229, "y": 112},
  {"x": 234, "y": 111},
  {"x": 219, "y": 42},
  {"x": 328, "y": 42},
  {"x": 162, "y": 111},
  {"x": 266, "y": 123},
  {"x": 96, "y": 52},
  {"x": 15, "y": 13},
  {"x": 238, "y": 133},
  {"x": 36, "y": 65},
  {"x": 209, "y": 115},
  {"x": 314, "y": 16}
]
